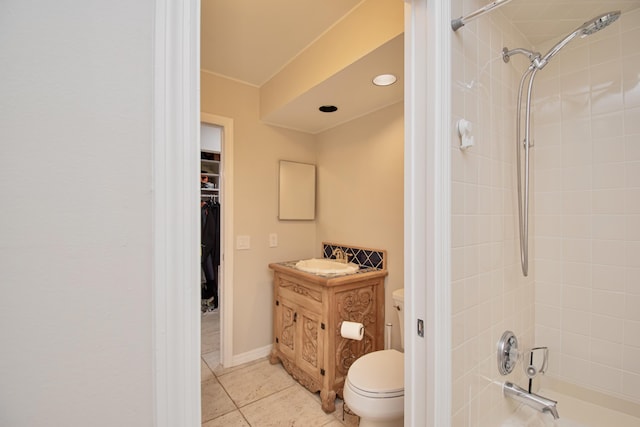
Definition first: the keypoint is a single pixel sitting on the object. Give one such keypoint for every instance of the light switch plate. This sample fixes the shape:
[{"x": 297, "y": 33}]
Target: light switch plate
[
  {"x": 273, "y": 240},
  {"x": 243, "y": 242}
]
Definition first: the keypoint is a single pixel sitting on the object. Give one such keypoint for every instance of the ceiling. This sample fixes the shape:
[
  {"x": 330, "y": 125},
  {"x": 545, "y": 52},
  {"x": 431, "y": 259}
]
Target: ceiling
[{"x": 252, "y": 40}]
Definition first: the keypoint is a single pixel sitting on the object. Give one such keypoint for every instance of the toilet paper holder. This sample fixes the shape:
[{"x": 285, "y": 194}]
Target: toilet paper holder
[{"x": 351, "y": 330}]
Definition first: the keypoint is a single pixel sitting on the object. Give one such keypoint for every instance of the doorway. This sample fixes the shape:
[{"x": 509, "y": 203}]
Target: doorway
[
  {"x": 210, "y": 241},
  {"x": 175, "y": 121},
  {"x": 223, "y": 189}
]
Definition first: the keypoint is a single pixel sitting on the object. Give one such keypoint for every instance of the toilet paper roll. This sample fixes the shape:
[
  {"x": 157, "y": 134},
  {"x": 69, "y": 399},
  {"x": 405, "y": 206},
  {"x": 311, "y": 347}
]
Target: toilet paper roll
[{"x": 352, "y": 330}]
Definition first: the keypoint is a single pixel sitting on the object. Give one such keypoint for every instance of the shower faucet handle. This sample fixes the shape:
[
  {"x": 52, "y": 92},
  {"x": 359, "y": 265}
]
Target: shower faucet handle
[
  {"x": 507, "y": 353},
  {"x": 530, "y": 368}
]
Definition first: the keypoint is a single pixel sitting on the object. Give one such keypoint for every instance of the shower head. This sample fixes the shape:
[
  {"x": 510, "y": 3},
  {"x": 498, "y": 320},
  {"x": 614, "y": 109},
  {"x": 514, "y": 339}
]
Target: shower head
[
  {"x": 586, "y": 29},
  {"x": 599, "y": 23}
]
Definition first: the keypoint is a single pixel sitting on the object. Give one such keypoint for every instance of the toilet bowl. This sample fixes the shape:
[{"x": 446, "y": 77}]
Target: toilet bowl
[{"x": 374, "y": 388}]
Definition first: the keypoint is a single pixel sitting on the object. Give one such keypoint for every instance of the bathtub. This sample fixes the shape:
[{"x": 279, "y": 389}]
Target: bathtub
[{"x": 573, "y": 413}]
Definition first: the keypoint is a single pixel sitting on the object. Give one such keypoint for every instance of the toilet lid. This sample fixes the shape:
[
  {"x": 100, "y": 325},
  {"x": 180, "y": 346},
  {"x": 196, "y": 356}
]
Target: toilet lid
[{"x": 378, "y": 374}]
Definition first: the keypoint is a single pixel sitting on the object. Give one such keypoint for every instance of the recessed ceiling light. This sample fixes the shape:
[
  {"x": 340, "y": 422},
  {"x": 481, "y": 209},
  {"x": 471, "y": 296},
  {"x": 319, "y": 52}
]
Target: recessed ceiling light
[
  {"x": 384, "y": 80},
  {"x": 328, "y": 108}
]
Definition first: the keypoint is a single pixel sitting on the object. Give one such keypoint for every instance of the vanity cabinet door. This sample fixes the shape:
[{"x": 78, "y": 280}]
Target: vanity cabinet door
[
  {"x": 286, "y": 318},
  {"x": 310, "y": 342},
  {"x": 300, "y": 337}
]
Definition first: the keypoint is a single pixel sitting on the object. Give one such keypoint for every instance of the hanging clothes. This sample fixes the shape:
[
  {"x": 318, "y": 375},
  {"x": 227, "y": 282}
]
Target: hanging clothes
[{"x": 210, "y": 260}]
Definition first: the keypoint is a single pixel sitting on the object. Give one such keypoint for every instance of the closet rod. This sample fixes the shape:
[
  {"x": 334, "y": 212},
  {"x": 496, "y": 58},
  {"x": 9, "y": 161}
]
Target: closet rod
[{"x": 458, "y": 23}]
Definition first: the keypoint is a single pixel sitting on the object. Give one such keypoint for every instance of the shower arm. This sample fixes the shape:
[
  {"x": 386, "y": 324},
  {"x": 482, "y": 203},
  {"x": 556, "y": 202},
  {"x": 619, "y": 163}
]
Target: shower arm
[
  {"x": 458, "y": 23},
  {"x": 534, "y": 57}
]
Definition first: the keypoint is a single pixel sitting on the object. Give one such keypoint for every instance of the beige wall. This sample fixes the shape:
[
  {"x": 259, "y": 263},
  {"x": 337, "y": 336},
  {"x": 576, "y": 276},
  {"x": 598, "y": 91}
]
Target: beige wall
[
  {"x": 360, "y": 191},
  {"x": 257, "y": 150},
  {"x": 489, "y": 293},
  {"x": 587, "y": 216}
]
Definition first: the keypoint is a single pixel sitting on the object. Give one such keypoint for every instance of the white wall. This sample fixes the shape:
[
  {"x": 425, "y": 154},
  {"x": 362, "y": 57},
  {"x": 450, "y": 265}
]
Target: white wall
[
  {"x": 210, "y": 137},
  {"x": 75, "y": 251},
  {"x": 587, "y": 216}
]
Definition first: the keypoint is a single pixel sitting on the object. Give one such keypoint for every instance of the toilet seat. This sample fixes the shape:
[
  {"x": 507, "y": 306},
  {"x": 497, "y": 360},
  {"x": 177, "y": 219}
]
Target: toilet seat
[{"x": 378, "y": 375}]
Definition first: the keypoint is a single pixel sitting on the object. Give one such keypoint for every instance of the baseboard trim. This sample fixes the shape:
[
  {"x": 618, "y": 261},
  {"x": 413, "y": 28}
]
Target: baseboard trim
[{"x": 252, "y": 355}]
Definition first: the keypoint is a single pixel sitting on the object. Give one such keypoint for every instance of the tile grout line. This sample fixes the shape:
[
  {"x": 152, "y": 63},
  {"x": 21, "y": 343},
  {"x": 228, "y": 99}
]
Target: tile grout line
[
  {"x": 257, "y": 400},
  {"x": 236, "y": 408},
  {"x": 240, "y": 408},
  {"x": 216, "y": 376}
]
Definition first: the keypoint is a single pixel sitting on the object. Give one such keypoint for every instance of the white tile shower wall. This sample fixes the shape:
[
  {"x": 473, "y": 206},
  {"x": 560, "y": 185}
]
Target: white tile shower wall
[
  {"x": 489, "y": 293},
  {"x": 587, "y": 216}
]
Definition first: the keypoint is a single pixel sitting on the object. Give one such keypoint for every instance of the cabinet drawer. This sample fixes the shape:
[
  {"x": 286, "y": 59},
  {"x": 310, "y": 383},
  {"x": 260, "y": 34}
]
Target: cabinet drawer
[{"x": 304, "y": 295}]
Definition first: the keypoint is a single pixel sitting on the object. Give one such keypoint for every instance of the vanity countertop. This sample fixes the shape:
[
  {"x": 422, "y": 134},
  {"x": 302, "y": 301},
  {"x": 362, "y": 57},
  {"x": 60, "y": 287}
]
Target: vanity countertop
[{"x": 328, "y": 279}]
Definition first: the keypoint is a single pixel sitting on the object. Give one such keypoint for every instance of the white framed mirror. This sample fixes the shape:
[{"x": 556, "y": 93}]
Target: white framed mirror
[{"x": 296, "y": 191}]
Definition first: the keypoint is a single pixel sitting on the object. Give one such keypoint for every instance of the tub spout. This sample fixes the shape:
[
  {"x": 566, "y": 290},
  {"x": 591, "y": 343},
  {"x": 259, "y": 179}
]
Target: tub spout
[
  {"x": 552, "y": 410},
  {"x": 533, "y": 400}
]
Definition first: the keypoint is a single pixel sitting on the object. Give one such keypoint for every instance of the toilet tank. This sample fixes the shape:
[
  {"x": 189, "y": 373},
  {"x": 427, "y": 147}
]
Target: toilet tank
[{"x": 398, "y": 304}]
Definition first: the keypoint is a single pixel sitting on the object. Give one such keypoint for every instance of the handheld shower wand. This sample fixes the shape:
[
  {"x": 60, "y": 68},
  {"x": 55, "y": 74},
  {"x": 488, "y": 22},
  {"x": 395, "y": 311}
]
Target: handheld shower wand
[{"x": 538, "y": 62}]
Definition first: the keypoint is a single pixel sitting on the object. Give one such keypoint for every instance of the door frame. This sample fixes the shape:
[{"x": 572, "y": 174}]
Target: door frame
[
  {"x": 226, "y": 237},
  {"x": 175, "y": 210},
  {"x": 176, "y": 217},
  {"x": 427, "y": 235}
]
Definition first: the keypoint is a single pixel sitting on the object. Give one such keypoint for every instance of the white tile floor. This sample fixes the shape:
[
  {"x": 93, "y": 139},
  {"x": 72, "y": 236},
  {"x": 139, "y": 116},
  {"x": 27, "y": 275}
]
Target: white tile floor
[{"x": 256, "y": 394}]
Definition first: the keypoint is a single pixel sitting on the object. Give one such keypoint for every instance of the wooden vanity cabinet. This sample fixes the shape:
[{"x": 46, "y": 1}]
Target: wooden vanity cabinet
[{"x": 308, "y": 311}]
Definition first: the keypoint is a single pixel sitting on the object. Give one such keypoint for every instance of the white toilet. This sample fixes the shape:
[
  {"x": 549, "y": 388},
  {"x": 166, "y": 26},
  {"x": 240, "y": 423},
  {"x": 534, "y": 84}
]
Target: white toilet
[{"x": 374, "y": 388}]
